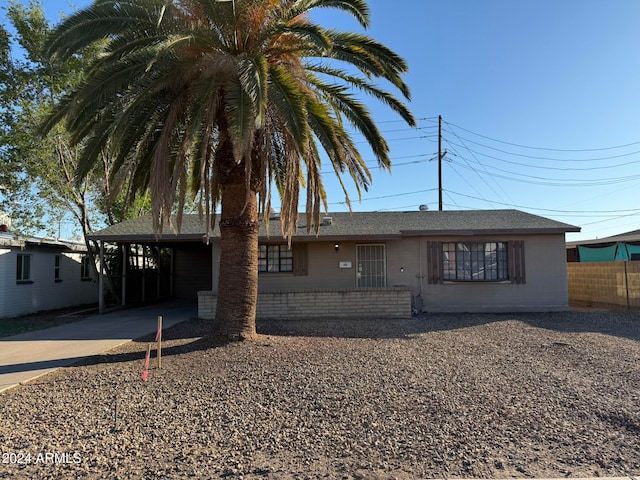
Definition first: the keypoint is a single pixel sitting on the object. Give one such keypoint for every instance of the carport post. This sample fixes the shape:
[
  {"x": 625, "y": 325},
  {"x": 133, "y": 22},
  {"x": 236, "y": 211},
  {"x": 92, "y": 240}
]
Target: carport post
[
  {"x": 125, "y": 249},
  {"x": 101, "y": 279}
]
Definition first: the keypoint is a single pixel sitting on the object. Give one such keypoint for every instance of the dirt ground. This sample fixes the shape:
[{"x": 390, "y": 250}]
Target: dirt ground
[{"x": 436, "y": 396}]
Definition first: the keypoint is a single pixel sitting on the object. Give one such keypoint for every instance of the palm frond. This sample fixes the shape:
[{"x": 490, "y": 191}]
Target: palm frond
[
  {"x": 285, "y": 93},
  {"x": 358, "y": 9},
  {"x": 184, "y": 92},
  {"x": 102, "y": 20}
]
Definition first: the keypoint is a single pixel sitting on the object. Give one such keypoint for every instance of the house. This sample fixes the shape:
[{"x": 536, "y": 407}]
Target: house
[
  {"x": 625, "y": 246},
  {"x": 363, "y": 264},
  {"x": 38, "y": 274}
]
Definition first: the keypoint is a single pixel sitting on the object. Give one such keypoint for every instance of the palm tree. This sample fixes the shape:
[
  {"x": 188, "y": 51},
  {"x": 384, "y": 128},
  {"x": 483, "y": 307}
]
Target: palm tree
[{"x": 223, "y": 100}]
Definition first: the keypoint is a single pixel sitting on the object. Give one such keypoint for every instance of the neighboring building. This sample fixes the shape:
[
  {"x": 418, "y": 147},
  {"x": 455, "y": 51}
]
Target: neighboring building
[
  {"x": 38, "y": 274},
  {"x": 364, "y": 264},
  {"x": 625, "y": 246}
]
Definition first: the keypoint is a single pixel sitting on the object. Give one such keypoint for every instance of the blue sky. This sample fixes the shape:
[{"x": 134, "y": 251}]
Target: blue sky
[{"x": 539, "y": 100}]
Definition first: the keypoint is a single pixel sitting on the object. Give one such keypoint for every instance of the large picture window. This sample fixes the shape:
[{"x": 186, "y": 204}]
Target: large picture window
[
  {"x": 475, "y": 261},
  {"x": 275, "y": 258}
]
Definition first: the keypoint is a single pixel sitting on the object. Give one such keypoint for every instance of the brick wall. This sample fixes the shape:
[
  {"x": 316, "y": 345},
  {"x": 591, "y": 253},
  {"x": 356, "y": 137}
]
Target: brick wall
[
  {"x": 604, "y": 283},
  {"x": 390, "y": 303}
]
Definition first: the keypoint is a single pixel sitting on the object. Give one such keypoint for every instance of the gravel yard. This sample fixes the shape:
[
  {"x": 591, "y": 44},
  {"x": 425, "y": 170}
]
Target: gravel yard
[{"x": 510, "y": 395}]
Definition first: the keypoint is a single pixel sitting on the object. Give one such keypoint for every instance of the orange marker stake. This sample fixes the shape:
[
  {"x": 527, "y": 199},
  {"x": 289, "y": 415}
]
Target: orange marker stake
[
  {"x": 159, "y": 341},
  {"x": 145, "y": 373}
]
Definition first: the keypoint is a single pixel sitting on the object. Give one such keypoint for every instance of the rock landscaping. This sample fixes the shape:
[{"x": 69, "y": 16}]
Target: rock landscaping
[{"x": 437, "y": 396}]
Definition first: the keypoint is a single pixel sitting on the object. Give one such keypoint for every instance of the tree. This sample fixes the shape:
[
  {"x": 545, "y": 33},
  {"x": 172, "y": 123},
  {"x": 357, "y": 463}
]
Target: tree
[
  {"x": 222, "y": 100},
  {"x": 38, "y": 175}
]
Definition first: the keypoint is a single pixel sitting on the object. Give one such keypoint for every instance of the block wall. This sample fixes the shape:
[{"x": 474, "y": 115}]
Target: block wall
[
  {"x": 388, "y": 303},
  {"x": 604, "y": 283}
]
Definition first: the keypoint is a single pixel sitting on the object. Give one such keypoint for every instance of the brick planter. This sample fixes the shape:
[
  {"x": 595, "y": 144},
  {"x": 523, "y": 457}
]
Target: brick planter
[{"x": 389, "y": 303}]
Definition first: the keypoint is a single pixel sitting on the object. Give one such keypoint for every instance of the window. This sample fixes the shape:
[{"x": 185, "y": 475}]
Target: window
[
  {"x": 56, "y": 269},
  {"x": 85, "y": 270},
  {"x": 475, "y": 261},
  {"x": 23, "y": 269},
  {"x": 371, "y": 270},
  {"x": 275, "y": 258}
]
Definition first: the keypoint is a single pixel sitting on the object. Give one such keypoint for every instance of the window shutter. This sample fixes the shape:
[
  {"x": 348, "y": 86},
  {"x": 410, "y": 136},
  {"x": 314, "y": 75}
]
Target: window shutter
[
  {"x": 300, "y": 259},
  {"x": 434, "y": 262},
  {"x": 516, "y": 262}
]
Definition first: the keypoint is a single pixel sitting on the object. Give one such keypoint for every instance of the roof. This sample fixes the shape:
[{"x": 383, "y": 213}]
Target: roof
[
  {"x": 357, "y": 225},
  {"x": 632, "y": 236},
  {"x": 13, "y": 240}
]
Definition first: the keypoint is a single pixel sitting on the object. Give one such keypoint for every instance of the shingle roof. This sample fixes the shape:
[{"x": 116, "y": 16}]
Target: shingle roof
[{"x": 360, "y": 225}]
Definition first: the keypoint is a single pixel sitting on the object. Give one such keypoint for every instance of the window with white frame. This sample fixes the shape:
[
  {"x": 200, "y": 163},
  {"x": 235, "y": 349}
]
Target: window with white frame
[
  {"x": 275, "y": 258},
  {"x": 23, "y": 268}
]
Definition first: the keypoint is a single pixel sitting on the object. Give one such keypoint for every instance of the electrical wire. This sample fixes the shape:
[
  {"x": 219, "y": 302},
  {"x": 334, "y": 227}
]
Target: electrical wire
[
  {"x": 541, "y": 167},
  {"x": 550, "y": 182},
  {"x": 388, "y": 196},
  {"x": 481, "y": 164},
  {"x": 544, "y": 148},
  {"x": 551, "y": 210},
  {"x": 598, "y": 159}
]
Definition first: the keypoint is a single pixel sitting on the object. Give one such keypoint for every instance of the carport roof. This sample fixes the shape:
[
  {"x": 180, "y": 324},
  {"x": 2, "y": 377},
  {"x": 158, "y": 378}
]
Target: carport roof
[{"x": 357, "y": 225}]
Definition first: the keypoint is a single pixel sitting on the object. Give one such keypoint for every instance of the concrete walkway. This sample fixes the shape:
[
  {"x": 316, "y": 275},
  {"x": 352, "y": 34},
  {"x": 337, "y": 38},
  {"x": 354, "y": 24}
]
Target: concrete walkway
[{"x": 29, "y": 355}]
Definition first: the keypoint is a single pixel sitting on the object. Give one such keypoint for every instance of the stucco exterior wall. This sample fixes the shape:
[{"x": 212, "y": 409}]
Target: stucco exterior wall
[
  {"x": 43, "y": 292},
  {"x": 546, "y": 287}
]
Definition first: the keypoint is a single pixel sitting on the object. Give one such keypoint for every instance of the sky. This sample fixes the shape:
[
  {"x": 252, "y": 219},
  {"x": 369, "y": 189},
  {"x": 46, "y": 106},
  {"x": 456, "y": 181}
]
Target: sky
[{"x": 540, "y": 107}]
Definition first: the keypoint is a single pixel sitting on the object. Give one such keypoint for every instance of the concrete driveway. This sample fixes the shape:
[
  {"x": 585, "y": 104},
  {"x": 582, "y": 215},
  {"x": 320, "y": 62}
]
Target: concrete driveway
[{"x": 29, "y": 355}]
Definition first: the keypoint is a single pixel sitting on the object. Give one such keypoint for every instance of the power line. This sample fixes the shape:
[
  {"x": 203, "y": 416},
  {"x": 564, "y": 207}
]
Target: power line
[
  {"x": 550, "y": 182},
  {"x": 481, "y": 177},
  {"x": 596, "y": 159},
  {"x": 553, "y": 168},
  {"x": 374, "y": 165},
  {"x": 546, "y": 148},
  {"x": 469, "y": 183},
  {"x": 625, "y": 212},
  {"x": 388, "y": 196}
]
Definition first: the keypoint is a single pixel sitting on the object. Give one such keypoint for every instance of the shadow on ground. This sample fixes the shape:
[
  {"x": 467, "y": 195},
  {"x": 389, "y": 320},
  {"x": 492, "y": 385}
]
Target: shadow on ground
[
  {"x": 195, "y": 333},
  {"x": 620, "y": 324}
]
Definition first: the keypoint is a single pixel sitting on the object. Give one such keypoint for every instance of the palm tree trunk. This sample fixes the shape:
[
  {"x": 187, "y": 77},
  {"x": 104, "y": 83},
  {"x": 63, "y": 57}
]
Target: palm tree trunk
[{"x": 238, "y": 281}]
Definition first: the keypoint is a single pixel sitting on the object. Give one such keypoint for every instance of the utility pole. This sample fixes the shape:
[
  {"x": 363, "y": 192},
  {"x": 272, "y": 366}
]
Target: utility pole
[{"x": 440, "y": 155}]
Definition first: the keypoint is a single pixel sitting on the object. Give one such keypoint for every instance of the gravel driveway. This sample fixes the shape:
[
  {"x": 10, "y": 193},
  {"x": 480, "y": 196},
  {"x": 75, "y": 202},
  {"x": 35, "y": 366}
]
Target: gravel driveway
[{"x": 510, "y": 395}]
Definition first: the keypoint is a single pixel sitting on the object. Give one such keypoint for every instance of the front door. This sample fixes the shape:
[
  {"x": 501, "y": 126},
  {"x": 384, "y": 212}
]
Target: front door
[{"x": 371, "y": 266}]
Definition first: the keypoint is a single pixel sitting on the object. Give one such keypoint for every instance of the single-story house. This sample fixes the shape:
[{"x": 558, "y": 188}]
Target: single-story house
[
  {"x": 371, "y": 264},
  {"x": 625, "y": 246},
  {"x": 38, "y": 274}
]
